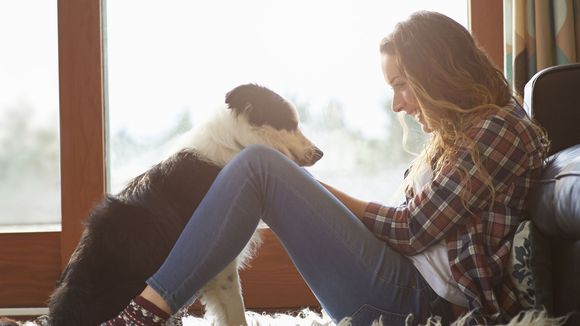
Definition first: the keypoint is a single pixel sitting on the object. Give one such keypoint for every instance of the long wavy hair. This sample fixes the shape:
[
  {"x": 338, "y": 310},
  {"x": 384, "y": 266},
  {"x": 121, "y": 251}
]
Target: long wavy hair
[{"x": 456, "y": 86}]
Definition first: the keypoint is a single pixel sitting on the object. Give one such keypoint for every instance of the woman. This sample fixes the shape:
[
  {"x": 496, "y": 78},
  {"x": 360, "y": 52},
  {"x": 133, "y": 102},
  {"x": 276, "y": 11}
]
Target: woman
[{"x": 447, "y": 247}]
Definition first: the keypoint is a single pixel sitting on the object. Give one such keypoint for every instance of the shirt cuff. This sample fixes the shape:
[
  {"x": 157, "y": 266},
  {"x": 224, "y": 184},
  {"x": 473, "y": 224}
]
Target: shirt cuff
[{"x": 370, "y": 215}]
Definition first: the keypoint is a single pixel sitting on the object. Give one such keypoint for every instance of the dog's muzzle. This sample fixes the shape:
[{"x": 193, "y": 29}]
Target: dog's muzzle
[
  {"x": 313, "y": 156},
  {"x": 317, "y": 154}
]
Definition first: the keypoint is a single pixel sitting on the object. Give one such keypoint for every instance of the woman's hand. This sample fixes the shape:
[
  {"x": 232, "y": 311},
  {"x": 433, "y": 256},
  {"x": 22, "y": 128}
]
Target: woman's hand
[{"x": 356, "y": 206}]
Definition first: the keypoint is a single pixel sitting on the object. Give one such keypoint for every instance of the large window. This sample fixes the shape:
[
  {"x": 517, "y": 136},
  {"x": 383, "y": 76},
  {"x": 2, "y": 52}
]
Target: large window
[
  {"x": 29, "y": 139},
  {"x": 169, "y": 65},
  {"x": 31, "y": 262}
]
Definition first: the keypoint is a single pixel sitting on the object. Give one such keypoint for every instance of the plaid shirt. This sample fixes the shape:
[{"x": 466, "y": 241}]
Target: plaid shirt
[{"x": 479, "y": 238}]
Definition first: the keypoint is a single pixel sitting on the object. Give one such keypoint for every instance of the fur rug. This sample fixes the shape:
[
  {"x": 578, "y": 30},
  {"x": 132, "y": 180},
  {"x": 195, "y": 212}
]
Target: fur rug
[{"x": 308, "y": 317}]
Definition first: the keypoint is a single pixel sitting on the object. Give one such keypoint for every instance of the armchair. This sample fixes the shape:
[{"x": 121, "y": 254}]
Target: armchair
[{"x": 552, "y": 97}]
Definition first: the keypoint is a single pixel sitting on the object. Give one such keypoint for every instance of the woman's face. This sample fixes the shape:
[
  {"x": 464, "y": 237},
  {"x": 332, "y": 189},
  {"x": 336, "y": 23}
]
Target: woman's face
[{"x": 404, "y": 98}]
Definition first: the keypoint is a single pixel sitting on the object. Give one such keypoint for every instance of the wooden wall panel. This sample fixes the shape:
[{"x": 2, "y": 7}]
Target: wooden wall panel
[
  {"x": 272, "y": 281},
  {"x": 29, "y": 267}
]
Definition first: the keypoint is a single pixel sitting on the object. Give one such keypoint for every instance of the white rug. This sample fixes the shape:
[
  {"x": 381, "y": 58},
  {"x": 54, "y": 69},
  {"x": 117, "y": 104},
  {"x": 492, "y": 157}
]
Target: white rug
[{"x": 310, "y": 318}]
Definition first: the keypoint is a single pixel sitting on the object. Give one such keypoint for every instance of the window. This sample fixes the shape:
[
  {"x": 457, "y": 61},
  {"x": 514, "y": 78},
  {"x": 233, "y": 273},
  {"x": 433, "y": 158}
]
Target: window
[
  {"x": 31, "y": 262},
  {"x": 30, "y": 187},
  {"x": 29, "y": 138},
  {"x": 169, "y": 66}
]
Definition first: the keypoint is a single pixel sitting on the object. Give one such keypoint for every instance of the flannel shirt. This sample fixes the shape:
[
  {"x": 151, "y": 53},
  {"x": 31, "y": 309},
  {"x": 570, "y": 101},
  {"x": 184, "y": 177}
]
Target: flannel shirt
[{"x": 479, "y": 237}]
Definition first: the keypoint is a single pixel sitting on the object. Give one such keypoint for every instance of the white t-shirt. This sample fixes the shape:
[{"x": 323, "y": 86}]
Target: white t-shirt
[{"x": 433, "y": 263}]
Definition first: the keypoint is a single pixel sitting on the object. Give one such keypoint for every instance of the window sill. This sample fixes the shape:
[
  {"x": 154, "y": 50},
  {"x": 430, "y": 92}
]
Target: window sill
[{"x": 30, "y": 228}]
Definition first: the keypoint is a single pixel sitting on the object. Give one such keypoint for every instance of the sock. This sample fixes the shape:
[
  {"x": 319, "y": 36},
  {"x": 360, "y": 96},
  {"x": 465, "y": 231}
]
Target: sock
[{"x": 139, "y": 312}]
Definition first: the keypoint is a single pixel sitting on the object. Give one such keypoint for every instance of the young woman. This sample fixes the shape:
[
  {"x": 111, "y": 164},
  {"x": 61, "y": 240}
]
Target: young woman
[{"x": 447, "y": 246}]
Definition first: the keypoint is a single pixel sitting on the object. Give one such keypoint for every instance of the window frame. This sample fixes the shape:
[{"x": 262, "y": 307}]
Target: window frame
[{"x": 30, "y": 263}]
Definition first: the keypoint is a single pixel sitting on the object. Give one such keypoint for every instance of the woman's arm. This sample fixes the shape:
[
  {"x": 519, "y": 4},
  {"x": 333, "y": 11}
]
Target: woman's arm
[
  {"x": 356, "y": 206},
  {"x": 433, "y": 213}
]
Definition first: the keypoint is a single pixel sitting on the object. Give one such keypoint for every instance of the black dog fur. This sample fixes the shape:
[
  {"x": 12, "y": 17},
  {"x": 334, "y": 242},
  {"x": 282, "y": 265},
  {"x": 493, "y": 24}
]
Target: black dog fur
[{"x": 108, "y": 268}]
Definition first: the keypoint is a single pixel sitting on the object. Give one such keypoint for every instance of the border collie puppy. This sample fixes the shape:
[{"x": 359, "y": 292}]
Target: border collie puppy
[{"x": 128, "y": 235}]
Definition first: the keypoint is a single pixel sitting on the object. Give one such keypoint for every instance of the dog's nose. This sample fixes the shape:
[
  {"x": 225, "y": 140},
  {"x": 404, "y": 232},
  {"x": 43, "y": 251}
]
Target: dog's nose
[
  {"x": 317, "y": 154},
  {"x": 311, "y": 157}
]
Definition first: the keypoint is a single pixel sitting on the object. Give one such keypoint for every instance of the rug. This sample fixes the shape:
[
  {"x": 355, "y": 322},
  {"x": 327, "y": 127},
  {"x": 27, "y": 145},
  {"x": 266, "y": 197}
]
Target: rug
[{"x": 308, "y": 317}]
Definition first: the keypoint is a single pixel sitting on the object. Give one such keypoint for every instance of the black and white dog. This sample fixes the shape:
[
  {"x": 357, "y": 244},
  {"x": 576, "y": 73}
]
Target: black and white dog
[{"x": 128, "y": 235}]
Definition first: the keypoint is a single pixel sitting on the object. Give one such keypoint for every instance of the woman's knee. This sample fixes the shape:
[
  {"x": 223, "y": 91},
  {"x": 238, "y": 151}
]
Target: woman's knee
[{"x": 259, "y": 153}]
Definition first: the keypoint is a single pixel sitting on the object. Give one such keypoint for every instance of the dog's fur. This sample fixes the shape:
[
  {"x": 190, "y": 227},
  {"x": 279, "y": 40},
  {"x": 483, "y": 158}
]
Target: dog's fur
[{"x": 128, "y": 235}]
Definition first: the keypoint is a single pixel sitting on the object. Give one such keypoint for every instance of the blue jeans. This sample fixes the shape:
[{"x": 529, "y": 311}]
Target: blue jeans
[{"x": 349, "y": 270}]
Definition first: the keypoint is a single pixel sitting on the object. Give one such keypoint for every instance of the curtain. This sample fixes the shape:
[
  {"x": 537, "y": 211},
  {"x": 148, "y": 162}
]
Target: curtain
[{"x": 539, "y": 34}]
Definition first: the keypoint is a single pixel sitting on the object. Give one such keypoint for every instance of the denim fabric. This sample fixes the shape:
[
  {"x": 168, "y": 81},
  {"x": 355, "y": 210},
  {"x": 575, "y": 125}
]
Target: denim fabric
[{"x": 350, "y": 271}]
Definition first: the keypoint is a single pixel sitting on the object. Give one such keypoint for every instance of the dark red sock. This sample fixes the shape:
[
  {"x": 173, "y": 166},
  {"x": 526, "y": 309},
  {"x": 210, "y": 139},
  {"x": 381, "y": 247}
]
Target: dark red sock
[{"x": 139, "y": 312}]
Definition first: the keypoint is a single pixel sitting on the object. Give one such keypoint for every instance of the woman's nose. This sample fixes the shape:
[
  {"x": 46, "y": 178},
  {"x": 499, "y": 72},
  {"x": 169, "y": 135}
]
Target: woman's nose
[{"x": 397, "y": 106}]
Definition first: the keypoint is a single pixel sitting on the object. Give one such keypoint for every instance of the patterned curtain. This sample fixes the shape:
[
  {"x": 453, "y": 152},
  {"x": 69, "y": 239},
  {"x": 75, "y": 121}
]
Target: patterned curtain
[{"x": 539, "y": 34}]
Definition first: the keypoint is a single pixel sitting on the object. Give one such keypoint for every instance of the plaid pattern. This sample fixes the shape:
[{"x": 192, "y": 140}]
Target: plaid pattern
[{"x": 480, "y": 236}]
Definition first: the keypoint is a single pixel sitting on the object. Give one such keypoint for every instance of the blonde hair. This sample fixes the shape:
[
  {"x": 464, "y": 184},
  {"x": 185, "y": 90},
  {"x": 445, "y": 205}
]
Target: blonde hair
[{"x": 456, "y": 86}]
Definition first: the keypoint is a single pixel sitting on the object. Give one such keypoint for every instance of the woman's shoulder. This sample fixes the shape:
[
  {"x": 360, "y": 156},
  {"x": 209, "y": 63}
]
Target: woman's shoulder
[
  {"x": 511, "y": 119},
  {"x": 493, "y": 126},
  {"x": 510, "y": 115},
  {"x": 509, "y": 128}
]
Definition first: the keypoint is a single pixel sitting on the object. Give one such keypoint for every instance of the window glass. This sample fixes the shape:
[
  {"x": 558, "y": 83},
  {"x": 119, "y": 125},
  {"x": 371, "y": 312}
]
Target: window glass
[
  {"x": 29, "y": 128},
  {"x": 169, "y": 65}
]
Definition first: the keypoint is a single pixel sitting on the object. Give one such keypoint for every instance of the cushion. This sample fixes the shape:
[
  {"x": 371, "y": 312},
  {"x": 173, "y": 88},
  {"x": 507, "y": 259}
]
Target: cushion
[
  {"x": 553, "y": 202},
  {"x": 530, "y": 267}
]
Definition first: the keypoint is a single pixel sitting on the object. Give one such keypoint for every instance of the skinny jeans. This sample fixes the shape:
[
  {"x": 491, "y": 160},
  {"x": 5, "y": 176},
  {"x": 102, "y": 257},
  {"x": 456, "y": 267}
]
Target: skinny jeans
[{"x": 351, "y": 272}]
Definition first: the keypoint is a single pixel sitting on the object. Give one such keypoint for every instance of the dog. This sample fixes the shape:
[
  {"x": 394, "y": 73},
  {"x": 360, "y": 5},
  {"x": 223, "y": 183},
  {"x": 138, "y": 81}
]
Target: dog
[{"x": 127, "y": 236}]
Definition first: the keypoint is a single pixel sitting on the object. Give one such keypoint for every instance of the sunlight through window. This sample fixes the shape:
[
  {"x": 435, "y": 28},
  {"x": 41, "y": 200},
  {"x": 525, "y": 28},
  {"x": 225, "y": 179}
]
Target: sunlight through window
[
  {"x": 29, "y": 128},
  {"x": 170, "y": 64}
]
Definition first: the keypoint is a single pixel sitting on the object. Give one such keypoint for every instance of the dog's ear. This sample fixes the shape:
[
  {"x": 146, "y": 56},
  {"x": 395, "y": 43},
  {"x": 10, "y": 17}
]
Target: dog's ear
[
  {"x": 261, "y": 106},
  {"x": 238, "y": 99},
  {"x": 248, "y": 107}
]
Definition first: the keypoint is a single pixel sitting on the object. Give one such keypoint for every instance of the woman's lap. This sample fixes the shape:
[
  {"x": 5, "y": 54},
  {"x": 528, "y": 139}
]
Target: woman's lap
[{"x": 351, "y": 272}]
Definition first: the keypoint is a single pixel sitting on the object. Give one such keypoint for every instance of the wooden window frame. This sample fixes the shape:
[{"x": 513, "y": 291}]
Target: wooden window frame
[{"x": 30, "y": 263}]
